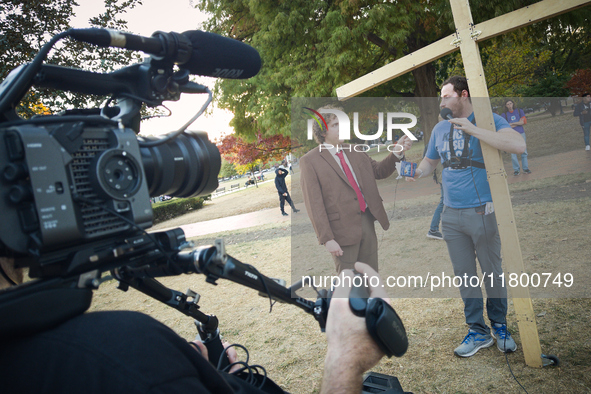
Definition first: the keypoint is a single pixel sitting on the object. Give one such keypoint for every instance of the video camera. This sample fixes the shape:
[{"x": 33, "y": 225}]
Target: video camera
[
  {"x": 75, "y": 187},
  {"x": 80, "y": 182}
]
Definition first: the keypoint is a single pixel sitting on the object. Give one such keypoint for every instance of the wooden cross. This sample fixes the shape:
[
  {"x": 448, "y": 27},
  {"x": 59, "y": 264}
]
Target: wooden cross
[{"x": 466, "y": 39}]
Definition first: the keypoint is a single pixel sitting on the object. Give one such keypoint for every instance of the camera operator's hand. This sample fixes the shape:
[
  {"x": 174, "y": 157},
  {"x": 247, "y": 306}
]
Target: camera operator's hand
[
  {"x": 351, "y": 350},
  {"x": 231, "y": 353}
]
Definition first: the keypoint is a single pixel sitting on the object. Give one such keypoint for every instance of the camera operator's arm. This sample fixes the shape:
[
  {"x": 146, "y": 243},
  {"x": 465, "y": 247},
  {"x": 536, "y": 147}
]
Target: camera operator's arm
[{"x": 351, "y": 350}]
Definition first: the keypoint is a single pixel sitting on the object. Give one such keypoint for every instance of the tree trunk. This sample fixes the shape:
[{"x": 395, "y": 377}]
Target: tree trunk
[{"x": 426, "y": 93}]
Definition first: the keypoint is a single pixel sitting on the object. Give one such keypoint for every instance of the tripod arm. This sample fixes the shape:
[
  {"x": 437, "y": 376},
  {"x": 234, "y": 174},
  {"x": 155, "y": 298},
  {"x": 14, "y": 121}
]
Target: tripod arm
[
  {"x": 207, "y": 325},
  {"x": 186, "y": 304}
]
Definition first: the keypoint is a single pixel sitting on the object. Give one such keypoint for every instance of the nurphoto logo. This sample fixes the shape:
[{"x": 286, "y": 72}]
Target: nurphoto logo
[{"x": 345, "y": 124}]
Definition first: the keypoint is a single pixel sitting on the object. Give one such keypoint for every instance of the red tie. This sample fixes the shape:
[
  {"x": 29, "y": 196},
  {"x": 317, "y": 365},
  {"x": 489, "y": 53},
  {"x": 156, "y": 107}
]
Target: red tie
[{"x": 352, "y": 181}]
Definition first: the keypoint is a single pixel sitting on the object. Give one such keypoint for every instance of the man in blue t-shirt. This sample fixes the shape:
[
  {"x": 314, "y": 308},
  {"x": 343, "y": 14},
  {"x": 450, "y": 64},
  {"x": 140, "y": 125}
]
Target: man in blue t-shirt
[{"x": 468, "y": 223}]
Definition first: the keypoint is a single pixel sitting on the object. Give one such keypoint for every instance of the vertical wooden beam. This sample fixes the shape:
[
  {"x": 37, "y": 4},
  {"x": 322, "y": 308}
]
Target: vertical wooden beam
[{"x": 512, "y": 257}]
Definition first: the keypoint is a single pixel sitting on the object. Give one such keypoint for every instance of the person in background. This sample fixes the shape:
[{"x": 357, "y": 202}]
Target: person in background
[
  {"x": 434, "y": 228},
  {"x": 516, "y": 118},
  {"x": 583, "y": 111},
  {"x": 280, "y": 174}
]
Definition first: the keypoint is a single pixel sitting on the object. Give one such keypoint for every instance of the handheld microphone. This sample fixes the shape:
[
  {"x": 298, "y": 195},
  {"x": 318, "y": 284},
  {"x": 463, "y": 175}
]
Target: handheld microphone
[
  {"x": 199, "y": 52},
  {"x": 446, "y": 114}
]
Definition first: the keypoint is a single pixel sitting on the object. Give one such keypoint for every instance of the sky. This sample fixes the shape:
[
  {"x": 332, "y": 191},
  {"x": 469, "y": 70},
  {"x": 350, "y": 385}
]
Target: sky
[{"x": 169, "y": 15}]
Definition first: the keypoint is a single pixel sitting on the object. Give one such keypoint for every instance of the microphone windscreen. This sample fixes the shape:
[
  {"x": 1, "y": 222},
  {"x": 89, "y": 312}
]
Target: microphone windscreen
[
  {"x": 221, "y": 57},
  {"x": 446, "y": 114}
]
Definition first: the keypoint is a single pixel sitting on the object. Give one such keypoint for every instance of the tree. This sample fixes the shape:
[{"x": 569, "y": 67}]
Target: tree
[
  {"x": 580, "y": 82},
  {"x": 240, "y": 152},
  {"x": 552, "y": 88},
  {"x": 509, "y": 63},
  {"x": 249, "y": 168},
  {"x": 228, "y": 169},
  {"x": 334, "y": 43},
  {"x": 26, "y": 25},
  {"x": 309, "y": 48}
]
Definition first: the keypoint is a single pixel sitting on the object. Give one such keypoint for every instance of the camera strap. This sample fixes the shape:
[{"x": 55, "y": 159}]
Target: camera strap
[{"x": 462, "y": 161}]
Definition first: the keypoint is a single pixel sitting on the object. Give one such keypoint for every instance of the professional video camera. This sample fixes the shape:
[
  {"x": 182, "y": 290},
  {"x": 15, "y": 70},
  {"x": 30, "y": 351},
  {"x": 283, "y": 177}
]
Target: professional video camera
[{"x": 75, "y": 188}]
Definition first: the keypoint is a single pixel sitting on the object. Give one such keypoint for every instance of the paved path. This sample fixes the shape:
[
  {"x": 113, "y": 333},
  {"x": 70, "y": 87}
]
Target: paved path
[{"x": 542, "y": 167}]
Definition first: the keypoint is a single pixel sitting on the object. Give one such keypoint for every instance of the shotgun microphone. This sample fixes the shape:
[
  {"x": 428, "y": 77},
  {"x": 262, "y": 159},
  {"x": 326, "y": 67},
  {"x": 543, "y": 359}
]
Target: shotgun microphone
[{"x": 201, "y": 53}]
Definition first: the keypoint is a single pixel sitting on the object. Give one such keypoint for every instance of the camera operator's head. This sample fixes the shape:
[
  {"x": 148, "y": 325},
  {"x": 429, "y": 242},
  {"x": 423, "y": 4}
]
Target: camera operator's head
[
  {"x": 9, "y": 275},
  {"x": 455, "y": 95},
  {"x": 586, "y": 98}
]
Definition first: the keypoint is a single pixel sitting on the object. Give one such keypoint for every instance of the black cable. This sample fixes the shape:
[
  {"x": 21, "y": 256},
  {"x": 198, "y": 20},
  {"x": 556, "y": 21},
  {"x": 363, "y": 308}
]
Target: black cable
[
  {"x": 30, "y": 71},
  {"x": 140, "y": 99},
  {"x": 174, "y": 134},
  {"x": 510, "y": 370},
  {"x": 271, "y": 300},
  {"x": 251, "y": 375}
]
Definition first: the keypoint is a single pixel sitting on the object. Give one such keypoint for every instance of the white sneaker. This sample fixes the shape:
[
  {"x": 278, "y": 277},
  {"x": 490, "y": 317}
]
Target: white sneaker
[{"x": 588, "y": 147}]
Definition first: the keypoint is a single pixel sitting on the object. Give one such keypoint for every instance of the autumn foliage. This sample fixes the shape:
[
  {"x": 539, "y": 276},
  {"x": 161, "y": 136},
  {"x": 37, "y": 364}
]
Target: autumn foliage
[
  {"x": 580, "y": 82},
  {"x": 239, "y": 151}
]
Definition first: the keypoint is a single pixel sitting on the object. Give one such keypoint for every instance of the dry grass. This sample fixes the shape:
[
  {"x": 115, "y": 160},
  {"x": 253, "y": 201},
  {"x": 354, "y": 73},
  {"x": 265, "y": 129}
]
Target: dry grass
[
  {"x": 554, "y": 237},
  {"x": 291, "y": 347}
]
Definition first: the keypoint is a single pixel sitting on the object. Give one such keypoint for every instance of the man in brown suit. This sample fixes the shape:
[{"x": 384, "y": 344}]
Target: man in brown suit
[{"x": 342, "y": 216}]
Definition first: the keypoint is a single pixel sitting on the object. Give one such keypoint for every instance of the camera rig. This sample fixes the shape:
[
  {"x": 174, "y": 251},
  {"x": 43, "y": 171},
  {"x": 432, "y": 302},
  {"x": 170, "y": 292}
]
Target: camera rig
[{"x": 75, "y": 189}]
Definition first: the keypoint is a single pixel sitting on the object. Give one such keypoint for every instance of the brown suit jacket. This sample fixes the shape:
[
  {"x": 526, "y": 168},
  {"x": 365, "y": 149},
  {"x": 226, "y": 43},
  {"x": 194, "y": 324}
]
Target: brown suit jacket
[{"x": 330, "y": 200}]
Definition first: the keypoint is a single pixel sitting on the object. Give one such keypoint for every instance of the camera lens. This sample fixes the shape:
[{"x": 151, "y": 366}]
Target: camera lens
[{"x": 185, "y": 166}]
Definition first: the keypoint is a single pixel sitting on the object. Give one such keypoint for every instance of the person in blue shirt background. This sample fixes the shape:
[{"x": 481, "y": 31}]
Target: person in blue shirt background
[
  {"x": 516, "y": 119},
  {"x": 468, "y": 221}
]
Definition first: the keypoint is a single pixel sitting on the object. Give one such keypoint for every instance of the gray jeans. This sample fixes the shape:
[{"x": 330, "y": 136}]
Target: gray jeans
[{"x": 468, "y": 234}]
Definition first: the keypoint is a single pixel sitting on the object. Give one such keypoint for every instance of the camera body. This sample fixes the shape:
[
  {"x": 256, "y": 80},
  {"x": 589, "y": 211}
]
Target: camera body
[
  {"x": 47, "y": 172},
  {"x": 75, "y": 187}
]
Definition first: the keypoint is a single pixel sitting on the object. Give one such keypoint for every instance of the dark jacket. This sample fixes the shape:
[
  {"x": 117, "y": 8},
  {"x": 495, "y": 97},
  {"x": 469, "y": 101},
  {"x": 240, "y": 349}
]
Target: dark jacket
[
  {"x": 280, "y": 180},
  {"x": 583, "y": 118}
]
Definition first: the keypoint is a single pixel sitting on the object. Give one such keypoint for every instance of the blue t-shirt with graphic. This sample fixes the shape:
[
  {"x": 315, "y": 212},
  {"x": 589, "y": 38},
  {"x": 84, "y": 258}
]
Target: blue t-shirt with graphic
[
  {"x": 515, "y": 116},
  {"x": 468, "y": 187}
]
